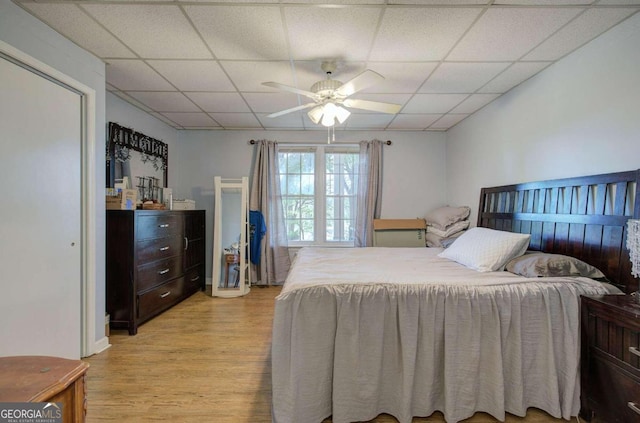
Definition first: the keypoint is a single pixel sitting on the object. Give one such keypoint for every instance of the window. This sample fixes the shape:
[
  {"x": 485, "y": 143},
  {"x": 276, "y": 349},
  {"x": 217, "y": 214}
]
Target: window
[{"x": 319, "y": 194}]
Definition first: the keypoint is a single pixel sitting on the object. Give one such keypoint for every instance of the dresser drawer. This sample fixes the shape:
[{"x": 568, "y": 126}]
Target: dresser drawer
[
  {"x": 159, "y": 248},
  {"x": 194, "y": 279},
  {"x": 612, "y": 391},
  {"x": 157, "y": 272},
  {"x": 158, "y": 225},
  {"x": 154, "y": 301}
]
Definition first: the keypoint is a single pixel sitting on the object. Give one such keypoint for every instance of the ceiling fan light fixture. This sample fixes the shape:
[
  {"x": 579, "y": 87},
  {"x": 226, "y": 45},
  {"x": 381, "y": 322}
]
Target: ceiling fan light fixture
[
  {"x": 315, "y": 114},
  {"x": 329, "y": 116},
  {"x": 342, "y": 114}
]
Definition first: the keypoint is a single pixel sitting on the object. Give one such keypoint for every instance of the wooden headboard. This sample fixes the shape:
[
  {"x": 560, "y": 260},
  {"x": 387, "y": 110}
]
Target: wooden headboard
[{"x": 583, "y": 217}]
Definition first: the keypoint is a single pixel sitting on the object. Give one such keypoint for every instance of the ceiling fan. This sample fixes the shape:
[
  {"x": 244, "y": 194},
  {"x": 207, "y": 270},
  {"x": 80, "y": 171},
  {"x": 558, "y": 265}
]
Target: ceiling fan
[{"x": 330, "y": 95}]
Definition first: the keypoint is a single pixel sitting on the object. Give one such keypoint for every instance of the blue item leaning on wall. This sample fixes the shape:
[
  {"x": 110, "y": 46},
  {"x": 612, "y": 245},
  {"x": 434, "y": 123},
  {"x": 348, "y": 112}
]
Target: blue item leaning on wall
[{"x": 257, "y": 229}]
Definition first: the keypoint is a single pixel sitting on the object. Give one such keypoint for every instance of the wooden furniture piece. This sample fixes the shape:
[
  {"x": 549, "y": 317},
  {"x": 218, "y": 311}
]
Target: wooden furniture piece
[
  {"x": 610, "y": 361},
  {"x": 45, "y": 379},
  {"x": 229, "y": 260},
  {"x": 584, "y": 217},
  {"x": 155, "y": 259}
]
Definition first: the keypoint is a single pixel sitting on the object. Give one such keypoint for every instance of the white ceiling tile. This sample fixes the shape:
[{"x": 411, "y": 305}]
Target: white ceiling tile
[
  {"x": 404, "y": 121},
  {"x": 73, "y": 23},
  {"x": 241, "y": 32},
  {"x": 291, "y": 120},
  {"x": 165, "y": 120},
  {"x": 461, "y": 77},
  {"x": 582, "y": 29},
  {"x": 433, "y": 103},
  {"x": 193, "y": 75},
  {"x": 400, "y": 77},
  {"x": 152, "y": 31},
  {"x": 249, "y": 76},
  {"x": 474, "y": 102},
  {"x": 368, "y": 121},
  {"x": 219, "y": 102},
  {"x": 236, "y": 120},
  {"x": 328, "y": 33},
  {"x": 513, "y": 76},
  {"x": 447, "y": 121},
  {"x": 420, "y": 34},
  {"x": 132, "y": 100},
  {"x": 135, "y": 75},
  {"x": 193, "y": 120},
  {"x": 509, "y": 33},
  {"x": 165, "y": 101},
  {"x": 271, "y": 102}
]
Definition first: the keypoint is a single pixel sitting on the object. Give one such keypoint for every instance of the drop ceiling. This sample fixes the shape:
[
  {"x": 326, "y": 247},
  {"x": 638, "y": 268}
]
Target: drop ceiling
[{"x": 200, "y": 64}]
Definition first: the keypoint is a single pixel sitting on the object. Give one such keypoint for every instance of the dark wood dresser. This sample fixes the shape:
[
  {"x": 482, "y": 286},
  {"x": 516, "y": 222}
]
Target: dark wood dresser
[
  {"x": 610, "y": 362},
  {"x": 155, "y": 259},
  {"x": 45, "y": 379}
]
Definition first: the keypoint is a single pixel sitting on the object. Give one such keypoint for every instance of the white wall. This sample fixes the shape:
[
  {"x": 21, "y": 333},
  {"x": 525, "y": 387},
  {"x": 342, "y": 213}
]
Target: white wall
[
  {"x": 27, "y": 34},
  {"x": 413, "y": 173},
  {"x": 581, "y": 116}
]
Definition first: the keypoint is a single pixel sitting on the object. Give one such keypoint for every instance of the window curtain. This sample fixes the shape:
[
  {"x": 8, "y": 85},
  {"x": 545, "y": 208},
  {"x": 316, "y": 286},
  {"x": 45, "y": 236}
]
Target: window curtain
[
  {"x": 265, "y": 197},
  {"x": 369, "y": 191}
]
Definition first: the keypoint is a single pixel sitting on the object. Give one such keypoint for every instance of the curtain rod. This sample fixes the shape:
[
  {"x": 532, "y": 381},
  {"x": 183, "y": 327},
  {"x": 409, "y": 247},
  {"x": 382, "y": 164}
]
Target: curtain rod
[{"x": 252, "y": 142}]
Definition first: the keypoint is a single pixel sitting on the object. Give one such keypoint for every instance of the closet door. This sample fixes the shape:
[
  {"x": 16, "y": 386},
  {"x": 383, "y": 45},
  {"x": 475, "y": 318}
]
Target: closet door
[{"x": 40, "y": 228}]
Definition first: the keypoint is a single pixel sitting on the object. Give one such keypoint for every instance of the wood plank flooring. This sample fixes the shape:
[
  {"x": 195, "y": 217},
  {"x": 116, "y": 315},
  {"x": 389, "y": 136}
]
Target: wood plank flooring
[{"x": 205, "y": 360}]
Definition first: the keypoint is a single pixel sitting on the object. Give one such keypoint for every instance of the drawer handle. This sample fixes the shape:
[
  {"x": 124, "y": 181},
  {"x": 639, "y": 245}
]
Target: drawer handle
[
  {"x": 162, "y": 272},
  {"x": 186, "y": 243},
  {"x": 195, "y": 279},
  {"x": 164, "y": 225},
  {"x": 164, "y": 248},
  {"x": 634, "y": 350},
  {"x": 166, "y": 294},
  {"x": 634, "y": 407}
]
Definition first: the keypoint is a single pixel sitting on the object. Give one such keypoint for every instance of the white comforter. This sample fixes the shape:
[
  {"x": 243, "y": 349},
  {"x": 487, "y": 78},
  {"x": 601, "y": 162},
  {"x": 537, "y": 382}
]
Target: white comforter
[{"x": 359, "y": 332}]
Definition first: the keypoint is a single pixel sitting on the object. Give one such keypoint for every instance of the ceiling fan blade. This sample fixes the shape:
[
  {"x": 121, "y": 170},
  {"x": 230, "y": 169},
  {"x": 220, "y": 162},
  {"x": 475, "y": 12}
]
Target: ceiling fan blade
[
  {"x": 292, "y": 89},
  {"x": 374, "y": 106},
  {"x": 360, "y": 82},
  {"x": 293, "y": 109}
]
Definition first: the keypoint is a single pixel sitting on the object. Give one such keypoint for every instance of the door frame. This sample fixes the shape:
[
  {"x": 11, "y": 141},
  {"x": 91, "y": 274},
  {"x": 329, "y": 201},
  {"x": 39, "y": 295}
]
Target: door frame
[{"x": 88, "y": 344}]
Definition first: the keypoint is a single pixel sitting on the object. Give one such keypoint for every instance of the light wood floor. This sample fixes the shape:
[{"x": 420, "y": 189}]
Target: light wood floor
[{"x": 205, "y": 360}]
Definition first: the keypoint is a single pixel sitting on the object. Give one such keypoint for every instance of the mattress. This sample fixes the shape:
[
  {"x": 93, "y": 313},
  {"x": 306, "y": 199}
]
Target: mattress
[{"x": 363, "y": 331}]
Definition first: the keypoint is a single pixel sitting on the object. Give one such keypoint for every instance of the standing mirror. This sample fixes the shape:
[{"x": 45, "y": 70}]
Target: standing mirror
[{"x": 231, "y": 276}]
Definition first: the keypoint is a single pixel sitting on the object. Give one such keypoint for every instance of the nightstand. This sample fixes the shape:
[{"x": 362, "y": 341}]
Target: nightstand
[{"x": 610, "y": 361}]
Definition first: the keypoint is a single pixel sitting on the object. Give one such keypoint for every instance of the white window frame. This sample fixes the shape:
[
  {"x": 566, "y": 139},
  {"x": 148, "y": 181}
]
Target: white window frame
[{"x": 319, "y": 211}]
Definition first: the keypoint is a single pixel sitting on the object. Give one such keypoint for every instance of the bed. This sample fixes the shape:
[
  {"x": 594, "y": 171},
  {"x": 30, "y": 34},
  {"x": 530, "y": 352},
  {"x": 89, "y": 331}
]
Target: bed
[{"x": 360, "y": 332}]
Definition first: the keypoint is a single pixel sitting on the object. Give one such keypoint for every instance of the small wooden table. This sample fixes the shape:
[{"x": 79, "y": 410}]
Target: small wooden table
[
  {"x": 45, "y": 379},
  {"x": 229, "y": 259}
]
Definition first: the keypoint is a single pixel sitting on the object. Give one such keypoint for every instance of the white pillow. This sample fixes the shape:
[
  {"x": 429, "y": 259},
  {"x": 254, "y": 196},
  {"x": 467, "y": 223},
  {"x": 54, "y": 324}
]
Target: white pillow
[{"x": 486, "y": 250}]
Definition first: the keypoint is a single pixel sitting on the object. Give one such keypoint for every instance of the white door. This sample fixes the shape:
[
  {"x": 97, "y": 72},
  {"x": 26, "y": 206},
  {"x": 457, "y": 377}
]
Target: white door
[{"x": 40, "y": 224}]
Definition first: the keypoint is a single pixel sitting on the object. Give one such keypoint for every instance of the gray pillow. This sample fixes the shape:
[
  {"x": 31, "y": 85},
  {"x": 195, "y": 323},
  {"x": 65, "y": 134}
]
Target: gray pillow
[
  {"x": 534, "y": 265},
  {"x": 443, "y": 217}
]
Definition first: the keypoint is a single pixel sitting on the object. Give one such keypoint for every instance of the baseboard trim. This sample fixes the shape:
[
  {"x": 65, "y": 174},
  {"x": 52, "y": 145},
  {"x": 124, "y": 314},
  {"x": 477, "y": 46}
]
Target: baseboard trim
[{"x": 101, "y": 345}]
